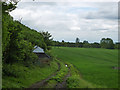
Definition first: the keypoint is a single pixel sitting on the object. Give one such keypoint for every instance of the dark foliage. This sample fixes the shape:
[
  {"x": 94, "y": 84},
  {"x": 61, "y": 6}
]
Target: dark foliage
[{"x": 18, "y": 40}]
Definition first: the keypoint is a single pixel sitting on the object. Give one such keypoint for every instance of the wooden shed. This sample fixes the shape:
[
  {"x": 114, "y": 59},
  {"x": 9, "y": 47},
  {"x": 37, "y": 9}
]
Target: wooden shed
[
  {"x": 40, "y": 52},
  {"x": 43, "y": 57}
]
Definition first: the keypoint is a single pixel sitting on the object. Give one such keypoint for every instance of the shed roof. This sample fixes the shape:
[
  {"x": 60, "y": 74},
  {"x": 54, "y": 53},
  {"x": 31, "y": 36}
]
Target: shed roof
[
  {"x": 35, "y": 46},
  {"x": 38, "y": 50}
]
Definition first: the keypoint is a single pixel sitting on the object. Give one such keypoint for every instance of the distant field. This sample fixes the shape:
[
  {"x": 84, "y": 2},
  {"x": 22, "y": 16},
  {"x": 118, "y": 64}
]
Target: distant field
[{"x": 95, "y": 65}]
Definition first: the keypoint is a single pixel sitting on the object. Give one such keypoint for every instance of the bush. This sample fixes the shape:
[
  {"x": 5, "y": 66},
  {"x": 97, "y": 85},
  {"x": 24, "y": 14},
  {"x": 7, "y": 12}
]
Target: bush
[
  {"x": 49, "y": 48},
  {"x": 73, "y": 82},
  {"x": 13, "y": 70}
]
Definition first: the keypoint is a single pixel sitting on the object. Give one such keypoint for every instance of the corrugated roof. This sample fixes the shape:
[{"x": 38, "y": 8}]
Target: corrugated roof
[
  {"x": 35, "y": 46},
  {"x": 38, "y": 50}
]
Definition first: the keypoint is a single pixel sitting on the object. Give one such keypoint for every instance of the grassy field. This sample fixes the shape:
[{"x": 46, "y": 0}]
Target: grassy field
[{"x": 95, "y": 65}]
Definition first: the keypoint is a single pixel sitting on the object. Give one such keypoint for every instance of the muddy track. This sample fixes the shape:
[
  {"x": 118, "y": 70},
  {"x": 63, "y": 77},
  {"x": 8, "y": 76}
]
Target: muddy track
[
  {"x": 64, "y": 83},
  {"x": 44, "y": 82}
]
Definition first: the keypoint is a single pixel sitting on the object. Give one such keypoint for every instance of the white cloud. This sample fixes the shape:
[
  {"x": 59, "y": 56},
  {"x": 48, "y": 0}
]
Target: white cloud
[
  {"x": 75, "y": 28},
  {"x": 86, "y": 20},
  {"x": 70, "y": 0}
]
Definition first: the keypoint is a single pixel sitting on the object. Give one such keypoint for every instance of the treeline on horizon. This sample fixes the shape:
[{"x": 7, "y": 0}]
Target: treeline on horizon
[{"x": 104, "y": 43}]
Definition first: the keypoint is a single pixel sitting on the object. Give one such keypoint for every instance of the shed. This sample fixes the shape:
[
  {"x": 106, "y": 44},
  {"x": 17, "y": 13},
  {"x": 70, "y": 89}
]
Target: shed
[{"x": 40, "y": 52}]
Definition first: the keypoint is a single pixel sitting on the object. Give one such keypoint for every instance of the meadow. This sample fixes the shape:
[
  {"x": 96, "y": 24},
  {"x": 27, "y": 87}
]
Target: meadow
[{"x": 94, "y": 64}]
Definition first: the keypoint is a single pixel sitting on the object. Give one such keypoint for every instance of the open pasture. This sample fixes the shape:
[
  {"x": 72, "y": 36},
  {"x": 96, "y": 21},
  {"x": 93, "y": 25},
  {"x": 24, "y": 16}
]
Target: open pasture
[{"x": 95, "y": 65}]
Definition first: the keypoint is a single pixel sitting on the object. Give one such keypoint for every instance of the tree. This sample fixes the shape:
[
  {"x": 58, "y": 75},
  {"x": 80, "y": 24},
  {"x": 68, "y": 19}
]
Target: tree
[
  {"x": 12, "y": 50},
  {"x": 77, "y": 42},
  {"x": 86, "y": 45},
  {"x": 9, "y": 6},
  {"x": 84, "y": 42},
  {"x": 107, "y": 43},
  {"x": 47, "y": 38},
  {"x": 95, "y": 45},
  {"x": 80, "y": 44},
  {"x": 117, "y": 45},
  {"x": 63, "y": 43}
]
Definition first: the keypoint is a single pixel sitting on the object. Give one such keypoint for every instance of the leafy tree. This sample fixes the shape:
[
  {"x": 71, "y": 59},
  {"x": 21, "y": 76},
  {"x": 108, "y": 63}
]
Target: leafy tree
[
  {"x": 86, "y": 45},
  {"x": 12, "y": 50},
  {"x": 77, "y": 42},
  {"x": 26, "y": 54},
  {"x": 107, "y": 43},
  {"x": 80, "y": 44},
  {"x": 63, "y": 43},
  {"x": 9, "y": 6},
  {"x": 47, "y": 38},
  {"x": 95, "y": 45},
  {"x": 117, "y": 45},
  {"x": 84, "y": 42}
]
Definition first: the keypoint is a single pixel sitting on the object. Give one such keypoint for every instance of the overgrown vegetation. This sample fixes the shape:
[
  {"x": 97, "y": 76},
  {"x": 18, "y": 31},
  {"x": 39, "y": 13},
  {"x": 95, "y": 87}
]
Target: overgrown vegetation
[
  {"x": 19, "y": 62},
  {"x": 19, "y": 76},
  {"x": 19, "y": 40},
  {"x": 58, "y": 78},
  {"x": 60, "y": 75}
]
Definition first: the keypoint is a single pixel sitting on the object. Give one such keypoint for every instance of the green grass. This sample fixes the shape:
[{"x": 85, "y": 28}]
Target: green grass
[
  {"x": 95, "y": 65},
  {"x": 76, "y": 81},
  {"x": 0, "y": 65},
  {"x": 22, "y": 76},
  {"x": 58, "y": 77}
]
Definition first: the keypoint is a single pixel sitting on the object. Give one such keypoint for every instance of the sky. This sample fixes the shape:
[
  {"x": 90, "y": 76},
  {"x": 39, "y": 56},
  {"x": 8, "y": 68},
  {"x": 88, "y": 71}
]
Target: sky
[{"x": 66, "y": 21}]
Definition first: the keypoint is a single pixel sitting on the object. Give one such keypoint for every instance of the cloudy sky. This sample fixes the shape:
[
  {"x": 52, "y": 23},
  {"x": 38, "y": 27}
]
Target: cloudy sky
[{"x": 67, "y": 20}]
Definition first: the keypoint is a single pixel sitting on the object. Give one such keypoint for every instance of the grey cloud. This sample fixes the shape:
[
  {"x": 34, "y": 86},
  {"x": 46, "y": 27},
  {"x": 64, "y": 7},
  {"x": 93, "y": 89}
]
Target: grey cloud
[
  {"x": 100, "y": 29},
  {"x": 106, "y": 10},
  {"x": 58, "y": 19}
]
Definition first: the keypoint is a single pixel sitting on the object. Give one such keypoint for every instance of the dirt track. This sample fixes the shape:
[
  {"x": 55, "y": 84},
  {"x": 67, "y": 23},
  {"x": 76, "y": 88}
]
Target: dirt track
[
  {"x": 57, "y": 86},
  {"x": 44, "y": 82},
  {"x": 63, "y": 84}
]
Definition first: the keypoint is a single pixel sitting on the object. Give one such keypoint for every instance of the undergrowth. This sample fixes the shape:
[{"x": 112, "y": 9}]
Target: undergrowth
[
  {"x": 59, "y": 75},
  {"x": 20, "y": 76}
]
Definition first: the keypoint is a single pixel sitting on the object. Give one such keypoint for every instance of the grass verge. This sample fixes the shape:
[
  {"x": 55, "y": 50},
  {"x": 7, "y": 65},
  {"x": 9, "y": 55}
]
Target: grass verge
[
  {"x": 58, "y": 77},
  {"x": 19, "y": 76},
  {"x": 76, "y": 80}
]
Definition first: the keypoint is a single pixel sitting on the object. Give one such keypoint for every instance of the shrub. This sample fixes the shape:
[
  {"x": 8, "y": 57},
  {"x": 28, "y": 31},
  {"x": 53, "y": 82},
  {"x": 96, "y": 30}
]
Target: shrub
[{"x": 73, "y": 82}]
